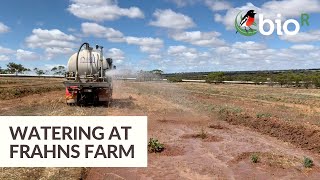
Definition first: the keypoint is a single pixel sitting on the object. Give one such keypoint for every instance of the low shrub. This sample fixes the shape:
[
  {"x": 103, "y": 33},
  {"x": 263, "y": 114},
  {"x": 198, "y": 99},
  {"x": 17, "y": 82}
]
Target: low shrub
[
  {"x": 264, "y": 115},
  {"x": 203, "y": 134},
  {"x": 254, "y": 158},
  {"x": 307, "y": 162},
  {"x": 175, "y": 79},
  {"x": 154, "y": 146}
]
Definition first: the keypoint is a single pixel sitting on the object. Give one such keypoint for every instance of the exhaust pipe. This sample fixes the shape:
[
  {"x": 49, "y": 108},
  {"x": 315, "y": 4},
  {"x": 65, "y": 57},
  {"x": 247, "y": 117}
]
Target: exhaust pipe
[{"x": 101, "y": 61}]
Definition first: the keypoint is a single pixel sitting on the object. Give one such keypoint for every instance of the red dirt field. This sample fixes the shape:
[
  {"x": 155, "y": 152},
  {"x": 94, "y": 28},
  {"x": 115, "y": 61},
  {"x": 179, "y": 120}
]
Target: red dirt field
[{"x": 279, "y": 125}]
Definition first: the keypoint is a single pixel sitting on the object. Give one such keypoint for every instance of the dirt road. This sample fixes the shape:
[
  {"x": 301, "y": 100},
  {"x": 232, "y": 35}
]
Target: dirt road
[{"x": 177, "y": 114}]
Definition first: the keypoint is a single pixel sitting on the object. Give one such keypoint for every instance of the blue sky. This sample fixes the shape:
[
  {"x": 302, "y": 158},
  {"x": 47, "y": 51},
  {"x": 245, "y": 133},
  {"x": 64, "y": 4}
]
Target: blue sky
[{"x": 172, "y": 35}]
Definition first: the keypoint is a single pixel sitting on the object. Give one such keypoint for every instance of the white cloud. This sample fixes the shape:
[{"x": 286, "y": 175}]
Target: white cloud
[
  {"x": 239, "y": 56},
  {"x": 52, "y": 52},
  {"x": 233, "y": 59},
  {"x": 250, "y": 51},
  {"x": 171, "y": 20},
  {"x": 214, "y": 5},
  {"x": 72, "y": 30},
  {"x": 218, "y": 5},
  {"x": 301, "y": 37},
  {"x": 4, "y": 28},
  {"x": 116, "y": 54},
  {"x": 155, "y": 56},
  {"x": 249, "y": 45},
  {"x": 6, "y": 54},
  {"x": 177, "y": 50},
  {"x": 218, "y": 18},
  {"x": 54, "y": 42},
  {"x": 255, "y": 56},
  {"x": 292, "y": 8},
  {"x": 39, "y": 23},
  {"x": 182, "y": 3},
  {"x": 185, "y": 54},
  {"x": 102, "y": 32},
  {"x": 303, "y": 47},
  {"x": 26, "y": 55},
  {"x": 182, "y": 58},
  {"x": 147, "y": 44},
  {"x": 100, "y": 10},
  {"x": 199, "y": 38},
  {"x": 42, "y": 38},
  {"x": 263, "y": 53},
  {"x": 222, "y": 50},
  {"x": 4, "y": 58},
  {"x": 4, "y": 50}
]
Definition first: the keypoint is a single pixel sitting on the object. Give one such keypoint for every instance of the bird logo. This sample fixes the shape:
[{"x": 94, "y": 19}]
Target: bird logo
[{"x": 246, "y": 21}]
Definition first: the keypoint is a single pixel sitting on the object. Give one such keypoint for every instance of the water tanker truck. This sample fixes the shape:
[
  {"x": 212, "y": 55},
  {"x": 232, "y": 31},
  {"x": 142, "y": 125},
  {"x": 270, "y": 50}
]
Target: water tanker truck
[{"x": 86, "y": 80}]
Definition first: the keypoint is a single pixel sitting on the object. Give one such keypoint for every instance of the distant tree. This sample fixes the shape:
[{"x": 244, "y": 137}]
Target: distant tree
[
  {"x": 281, "y": 79},
  {"x": 157, "y": 71},
  {"x": 16, "y": 68},
  {"x": 216, "y": 77},
  {"x": 316, "y": 80},
  {"x": 291, "y": 79},
  {"x": 297, "y": 78},
  {"x": 259, "y": 80},
  {"x": 175, "y": 79},
  {"x": 39, "y": 72},
  {"x": 59, "y": 70},
  {"x": 307, "y": 81}
]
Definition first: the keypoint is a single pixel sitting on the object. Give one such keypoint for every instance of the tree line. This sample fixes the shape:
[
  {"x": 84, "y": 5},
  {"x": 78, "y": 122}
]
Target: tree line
[
  {"x": 14, "y": 68},
  {"x": 284, "y": 79}
]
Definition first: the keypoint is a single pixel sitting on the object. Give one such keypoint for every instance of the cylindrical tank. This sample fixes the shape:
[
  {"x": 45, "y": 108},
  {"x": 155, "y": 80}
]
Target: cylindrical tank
[{"x": 89, "y": 63}]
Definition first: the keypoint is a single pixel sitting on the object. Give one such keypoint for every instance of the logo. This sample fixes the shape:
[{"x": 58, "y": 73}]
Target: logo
[{"x": 247, "y": 26}]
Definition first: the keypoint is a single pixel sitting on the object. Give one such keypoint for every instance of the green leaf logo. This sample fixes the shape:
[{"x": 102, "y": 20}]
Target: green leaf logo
[{"x": 244, "y": 32}]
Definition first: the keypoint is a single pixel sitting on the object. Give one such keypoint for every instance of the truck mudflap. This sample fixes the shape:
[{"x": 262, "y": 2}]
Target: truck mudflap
[
  {"x": 71, "y": 94},
  {"x": 104, "y": 94}
]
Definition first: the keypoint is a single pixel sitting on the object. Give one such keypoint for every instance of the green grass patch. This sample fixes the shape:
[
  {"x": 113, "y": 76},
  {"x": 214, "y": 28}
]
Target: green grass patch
[
  {"x": 307, "y": 162},
  {"x": 264, "y": 115},
  {"x": 229, "y": 110},
  {"x": 255, "y": 158},
  {"x": 154, "y": 146}
]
